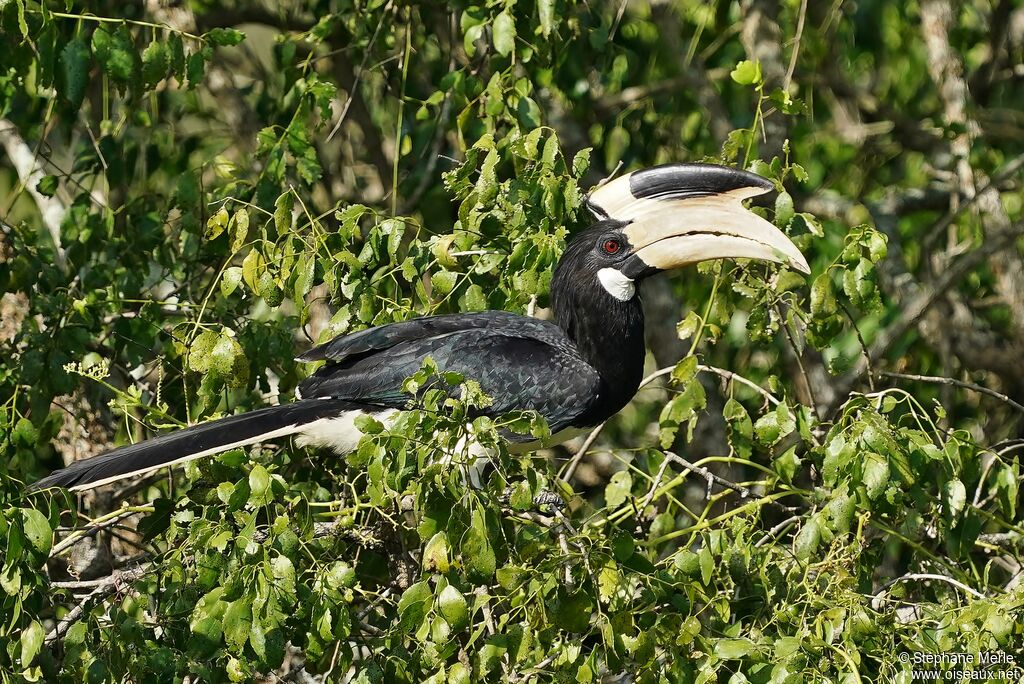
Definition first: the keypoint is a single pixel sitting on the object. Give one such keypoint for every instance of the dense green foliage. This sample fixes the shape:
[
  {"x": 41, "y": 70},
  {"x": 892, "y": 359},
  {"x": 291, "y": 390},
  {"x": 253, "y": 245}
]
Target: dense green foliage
[{"x": 192, "y": 193}]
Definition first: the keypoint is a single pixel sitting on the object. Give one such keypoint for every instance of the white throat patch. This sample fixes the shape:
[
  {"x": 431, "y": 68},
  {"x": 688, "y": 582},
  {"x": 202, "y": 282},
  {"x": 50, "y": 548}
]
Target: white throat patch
[{"x": 617, "y": 285}]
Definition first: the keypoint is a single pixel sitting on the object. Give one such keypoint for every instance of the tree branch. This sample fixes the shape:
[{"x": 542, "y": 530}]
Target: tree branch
[
  {"x": 955, "y": 383},
  {"x": 105, "y": 587},
  {"x": 51, "y": 209}
]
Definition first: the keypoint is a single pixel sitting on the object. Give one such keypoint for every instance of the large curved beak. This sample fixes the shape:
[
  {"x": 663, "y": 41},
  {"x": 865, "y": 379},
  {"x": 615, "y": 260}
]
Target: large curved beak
[{"x": 681, "y": 214}]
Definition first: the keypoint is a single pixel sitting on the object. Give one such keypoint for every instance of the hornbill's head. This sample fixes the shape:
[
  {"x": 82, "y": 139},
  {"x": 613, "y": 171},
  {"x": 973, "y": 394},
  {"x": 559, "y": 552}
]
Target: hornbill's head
[{"x": 670, "y": 216}]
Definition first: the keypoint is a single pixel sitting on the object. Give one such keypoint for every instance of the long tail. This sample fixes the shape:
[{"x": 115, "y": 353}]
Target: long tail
[{"x": 196, "y": 441}]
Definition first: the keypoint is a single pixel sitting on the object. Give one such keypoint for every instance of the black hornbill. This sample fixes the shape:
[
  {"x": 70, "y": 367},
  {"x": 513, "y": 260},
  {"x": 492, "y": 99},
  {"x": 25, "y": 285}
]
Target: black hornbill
[{"x": 575, "y": 371}]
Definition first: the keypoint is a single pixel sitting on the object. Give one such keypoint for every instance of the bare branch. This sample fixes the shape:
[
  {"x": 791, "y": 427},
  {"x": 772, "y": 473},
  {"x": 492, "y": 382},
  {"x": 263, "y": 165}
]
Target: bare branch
[
  {"x": 708, "y": 475},
  {"x": 721, "y": 372},
  {"x": 30, "y": 172},
  {"x": 876, "y": 601},
  {"x": 956, "y": 383},
  {"x": 105, "y": 587}
]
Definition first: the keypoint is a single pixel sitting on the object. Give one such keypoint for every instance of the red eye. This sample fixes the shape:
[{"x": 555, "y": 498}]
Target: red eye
[{"x": 611, "y": 246}]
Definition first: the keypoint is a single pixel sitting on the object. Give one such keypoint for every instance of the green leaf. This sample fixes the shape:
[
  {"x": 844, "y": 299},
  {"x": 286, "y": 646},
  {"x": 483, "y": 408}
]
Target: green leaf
[
  {"x": 239, "y": 229},
  {"x": 470, "y": 38},
  {"x": 823, "y": 297},
  {"x": 340, "y": 576},
  {"x": 682, "y": 408},
  {"x": 116, "y": 53},
  {"x": 838, "y": 513},
  {"x": 259, "y": 486},
  {"x": 954, "y": 498},
  {"x": 546, "y": 10},
  {"x": 217, "y": 353},
  {"x": 252, "y": 267},
  {"x": 747, "y": 72},
  {"x": 283, "y": 207},
  {"x": 283, "y": 571},
  {"x": 784, "y": 211},
  {"x": 623, "y": 546},
  {"x": 73, "y": 78},
  {"x": 459, "y": 673},
  {"x": 687, "y": 562},
  {"x": 31, "y": 642},
  {"x": 413, "y": 605},
  {"x": 876, "y": 475},
  {"x": 572, "y": 610},
  {"x": 224, "y": 37},
  {"x": 47, "y": 186},
  {"x": 581, "y": 162},
  {"x": 618, "y": 489},
  {"x": 733, "y": 649},
  {"x": 806, "y": 541},
  {"x": 216, "y": 224},
  {"x": 230, "y": 280},
  {"x": 1007, "y": 487},
  {"x": 195, "y": 67},
  {"x": 741, "y": 429},
  {"x": 477, "y": 550},
  {"x": 707, "y": 564},
  {"x": 37, "y": 530},
  {"x": 24, "y": 433},
  {"x": 453, "y": 607},
  {"x": 811, "y": 223},
  {"x": 22, "y": 24},
  {"x": 155, "y": 62},
  {"x": 238, "y": 623},
  {"x": 435, "y": 554},
  {"x": 609, "y": 583},
  {"x": 443, "y": 282},
  {"x": 504, "y": 33},
  {"x": 878, "y": 245}
]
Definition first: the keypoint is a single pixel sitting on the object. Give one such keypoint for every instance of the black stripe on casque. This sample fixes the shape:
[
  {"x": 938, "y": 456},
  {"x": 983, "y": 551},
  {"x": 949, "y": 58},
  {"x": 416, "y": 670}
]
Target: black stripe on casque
[
  {"x": 596, "y": 211},
  {"x": 686, "y": 181},
  {"x": 196, "y": 439}
]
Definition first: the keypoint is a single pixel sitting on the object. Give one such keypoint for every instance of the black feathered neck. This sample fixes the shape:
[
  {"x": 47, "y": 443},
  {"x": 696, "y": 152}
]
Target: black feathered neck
[{"x": 608, "y": 332}]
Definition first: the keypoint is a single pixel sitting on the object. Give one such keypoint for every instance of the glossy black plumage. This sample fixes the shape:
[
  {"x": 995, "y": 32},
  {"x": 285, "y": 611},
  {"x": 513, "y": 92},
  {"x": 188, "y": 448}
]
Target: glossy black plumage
[
  {"x": 521, "y": 363},
  {"x": 211, "y": 436},
  {"x": 576, "y": 371}
]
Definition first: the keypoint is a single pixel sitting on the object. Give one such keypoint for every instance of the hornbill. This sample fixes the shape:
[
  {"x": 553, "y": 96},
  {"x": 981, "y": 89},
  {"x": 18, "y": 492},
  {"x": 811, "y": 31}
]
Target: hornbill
[{"x": 576, "y": 371}]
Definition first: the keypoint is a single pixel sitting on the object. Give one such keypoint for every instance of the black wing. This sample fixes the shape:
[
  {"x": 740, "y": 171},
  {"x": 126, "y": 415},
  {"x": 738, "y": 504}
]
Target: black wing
[
  {"x": 349, "y": 347},
  {"x": 521, "y": 363}
]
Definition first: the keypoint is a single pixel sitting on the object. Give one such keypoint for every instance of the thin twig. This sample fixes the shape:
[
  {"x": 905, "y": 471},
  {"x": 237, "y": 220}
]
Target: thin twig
[
  {"x": 89, "y": 531},
  {"x": 480, "y": 592},
  {"x": 798, "y": 355},
  {"x": 721, "y": 372},
  {"x": 796, "y": 46},
  {"x": 654, "y": 485},
  {"x": 957, "y": 383},
  {"x": 731, "y": 376},
  {"x": 110, "y": 584},
  {"x": 475, "y": 252},
  {"x": 531, "y": 308},
  {"x": 984, "y": 476},
  {"x": 877, "y": 598},
  {"x": 770, "y": 534},
  {"x": 357, "y": 76},
  {"x": 709, "y": 476},
  {"x": 563, "y": 544},
  {"x": 863, "y": 345},
  {"x": 610, "y": 176},
  {"x": 361, "y": 536}
]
